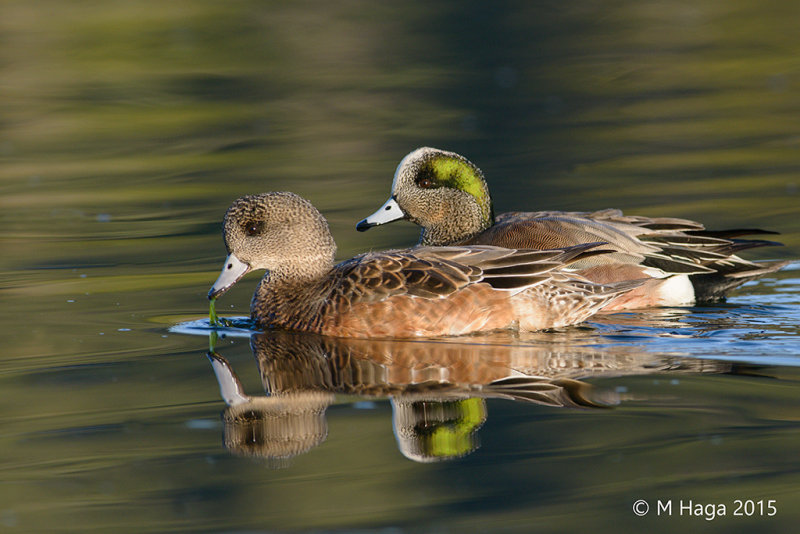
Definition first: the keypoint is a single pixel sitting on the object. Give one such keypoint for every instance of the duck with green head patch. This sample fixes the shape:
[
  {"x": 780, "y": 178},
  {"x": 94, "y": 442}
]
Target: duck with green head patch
[
  {"x": 682, "y": 263},
  {"x": 442, "y": 192}
]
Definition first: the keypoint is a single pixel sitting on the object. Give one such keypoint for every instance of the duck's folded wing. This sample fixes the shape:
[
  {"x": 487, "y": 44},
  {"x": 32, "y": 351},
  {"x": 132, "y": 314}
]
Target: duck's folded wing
[
  {"x": 535, "y": 231},
  {"x": 376, "y": 276},
  {"x": 437, "y": 272}
]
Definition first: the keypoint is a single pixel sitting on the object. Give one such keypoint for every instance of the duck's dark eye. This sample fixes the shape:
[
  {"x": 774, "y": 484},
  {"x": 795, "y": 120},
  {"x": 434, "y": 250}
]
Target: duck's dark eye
[
  {"x": 425, "y": 180},
  {"x": 252, "y": 227}
]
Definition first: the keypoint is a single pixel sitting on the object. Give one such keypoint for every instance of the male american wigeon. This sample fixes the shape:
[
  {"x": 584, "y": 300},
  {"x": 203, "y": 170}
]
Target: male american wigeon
[
  {"x": 446, "y": 194},
  {"x": 424, "y": 291}
]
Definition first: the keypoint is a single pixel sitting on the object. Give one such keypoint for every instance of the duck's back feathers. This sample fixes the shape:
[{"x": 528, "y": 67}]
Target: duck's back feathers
[
  {"x": 438, "y": 272},
  {"x": 671, "y": 246},
  {"x": 434, "y": 291}
]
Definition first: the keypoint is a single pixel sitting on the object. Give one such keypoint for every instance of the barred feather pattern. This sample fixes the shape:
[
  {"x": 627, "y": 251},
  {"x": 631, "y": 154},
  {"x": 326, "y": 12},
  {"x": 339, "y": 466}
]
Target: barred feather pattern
[{"x": 437, "y": 291}]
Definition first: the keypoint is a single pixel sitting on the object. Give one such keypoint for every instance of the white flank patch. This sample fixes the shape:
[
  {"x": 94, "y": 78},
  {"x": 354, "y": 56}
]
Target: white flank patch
[{"x": 676, "y": 291}]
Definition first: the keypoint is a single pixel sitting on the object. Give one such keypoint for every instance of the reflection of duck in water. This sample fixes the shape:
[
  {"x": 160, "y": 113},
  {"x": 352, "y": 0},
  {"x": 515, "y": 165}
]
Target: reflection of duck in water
[
  {"x": 437, "y": 388},
  {"x": 430, "y": 430}
]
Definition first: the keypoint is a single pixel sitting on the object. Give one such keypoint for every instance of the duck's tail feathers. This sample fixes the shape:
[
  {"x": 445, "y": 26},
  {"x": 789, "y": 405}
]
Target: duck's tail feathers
[{"x": 729, "y": 275}]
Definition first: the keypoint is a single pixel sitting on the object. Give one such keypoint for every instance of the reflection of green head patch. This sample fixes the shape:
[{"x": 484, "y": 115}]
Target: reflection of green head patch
[
  {"x": 456, "y": 437},
  {"x": 458, "y": 173}
]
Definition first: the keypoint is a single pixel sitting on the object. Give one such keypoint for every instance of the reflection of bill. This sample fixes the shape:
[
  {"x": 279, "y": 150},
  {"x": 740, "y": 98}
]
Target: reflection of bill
[
  {"x": 276, "y": 427},
  {"x": 437, "y": 388}
]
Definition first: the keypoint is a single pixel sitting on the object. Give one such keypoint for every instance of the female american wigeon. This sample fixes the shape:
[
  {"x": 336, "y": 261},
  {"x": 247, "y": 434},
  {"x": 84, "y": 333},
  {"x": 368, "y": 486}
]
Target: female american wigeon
[
  {"x": 446, "y": 194},
  {"x": 425, "y": 291}
]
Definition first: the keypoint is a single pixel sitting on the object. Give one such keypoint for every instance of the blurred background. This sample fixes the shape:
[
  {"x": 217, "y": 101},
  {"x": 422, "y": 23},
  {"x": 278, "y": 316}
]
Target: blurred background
[
  {"x": 120, "y": 116},
  {"x": 127, "y": 128}
]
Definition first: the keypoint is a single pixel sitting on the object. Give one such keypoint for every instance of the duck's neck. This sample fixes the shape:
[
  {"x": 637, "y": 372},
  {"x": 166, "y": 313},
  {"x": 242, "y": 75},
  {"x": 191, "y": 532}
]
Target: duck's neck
[
  {"x": 461, "y": 224},
  {"x": 289, "y": 297}
]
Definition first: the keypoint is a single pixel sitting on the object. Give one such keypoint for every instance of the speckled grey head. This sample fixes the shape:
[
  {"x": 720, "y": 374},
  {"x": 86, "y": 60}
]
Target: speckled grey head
[
  {"x": 280, "y": 232},
  {"x": 443, "y": 192}
]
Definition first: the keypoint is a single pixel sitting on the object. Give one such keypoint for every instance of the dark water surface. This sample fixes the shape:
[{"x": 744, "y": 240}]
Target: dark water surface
[{"x": 126, "y": 129}]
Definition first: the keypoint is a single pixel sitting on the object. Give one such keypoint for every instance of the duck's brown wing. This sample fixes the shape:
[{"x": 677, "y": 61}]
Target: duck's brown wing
[
  {"x": 672, "y": 245},
  {"x": 376, "y": 276},
  {"x": 437, "y": 272},
  {"x": 549, "y": 230}
]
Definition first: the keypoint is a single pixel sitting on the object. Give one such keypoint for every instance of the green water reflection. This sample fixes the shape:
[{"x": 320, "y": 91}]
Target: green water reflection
[{"x": 126, "y": 129}]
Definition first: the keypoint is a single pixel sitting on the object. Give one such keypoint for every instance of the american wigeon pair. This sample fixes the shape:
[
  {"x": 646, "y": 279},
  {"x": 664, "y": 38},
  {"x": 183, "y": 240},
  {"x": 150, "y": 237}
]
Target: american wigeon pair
[
  {"x": 472, "y": 272},
  {"x": 424, "y": 291}
]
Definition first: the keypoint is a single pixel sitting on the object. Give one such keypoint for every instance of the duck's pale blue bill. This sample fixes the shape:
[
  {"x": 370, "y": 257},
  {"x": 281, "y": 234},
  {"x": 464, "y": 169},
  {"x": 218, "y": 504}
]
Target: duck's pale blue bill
[
  {"x": 387, "y": 213},
  {"x": 233, "y": 270}
]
